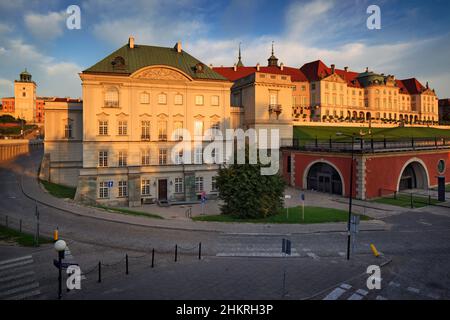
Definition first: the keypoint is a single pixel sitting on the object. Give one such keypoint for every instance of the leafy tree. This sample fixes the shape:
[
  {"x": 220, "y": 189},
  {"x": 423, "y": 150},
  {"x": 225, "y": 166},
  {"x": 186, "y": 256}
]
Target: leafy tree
[{"x": 248, "y": 194}]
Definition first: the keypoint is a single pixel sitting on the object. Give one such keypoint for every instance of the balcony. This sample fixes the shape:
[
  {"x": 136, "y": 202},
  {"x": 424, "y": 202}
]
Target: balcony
[
  {"x": 111, "y": 104},
  {"x": 145, "y": 137},
  {"x": 275, "y": 108}
]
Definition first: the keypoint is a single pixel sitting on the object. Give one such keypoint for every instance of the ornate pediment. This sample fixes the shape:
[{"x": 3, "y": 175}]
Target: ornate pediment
[
  {"x": 334, "y": 77},
  {"x": 160, "y": 73}
]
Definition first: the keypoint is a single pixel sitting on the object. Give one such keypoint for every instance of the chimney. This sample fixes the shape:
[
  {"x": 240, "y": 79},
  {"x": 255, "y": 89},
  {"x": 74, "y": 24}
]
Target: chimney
[
  {"x": 367, "y": 69},
  {"x": 178, "y": 46},
  {"x": 332, "y": 68},
  {"x": 235, "y": 67},
  {"x": 210, "y": 65},
  {"x": 131, "y": 42},
  {"x": 346, "y": 69},
  {"x": 257, "y": 66},
  {"x": 281, "y": 66}
]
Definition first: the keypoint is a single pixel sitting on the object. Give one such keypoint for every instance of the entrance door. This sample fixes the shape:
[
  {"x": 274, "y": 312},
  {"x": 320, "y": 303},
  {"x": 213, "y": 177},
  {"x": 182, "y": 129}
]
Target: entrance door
[
  {"x": 162, "y": 189},
  {"x": 324, "y": 183}
]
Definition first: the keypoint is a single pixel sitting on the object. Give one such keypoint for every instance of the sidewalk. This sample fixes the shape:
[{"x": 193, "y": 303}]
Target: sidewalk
[{"x": 32, "y": 189}]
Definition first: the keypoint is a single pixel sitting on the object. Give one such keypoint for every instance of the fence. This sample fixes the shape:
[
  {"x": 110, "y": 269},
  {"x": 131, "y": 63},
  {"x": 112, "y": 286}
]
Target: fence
[
  {"x": 367, "y": 144},
  {"x": 412, "y": 199}
]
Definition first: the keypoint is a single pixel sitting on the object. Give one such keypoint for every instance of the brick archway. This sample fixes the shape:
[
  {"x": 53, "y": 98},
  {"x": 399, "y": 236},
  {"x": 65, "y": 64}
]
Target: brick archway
[
  {"x": 421, "y": 171},
  {"x": 312, "y": 163}
]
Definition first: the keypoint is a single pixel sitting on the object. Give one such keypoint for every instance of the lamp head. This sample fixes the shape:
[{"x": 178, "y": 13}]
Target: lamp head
[{"x": 60, "y": 245}]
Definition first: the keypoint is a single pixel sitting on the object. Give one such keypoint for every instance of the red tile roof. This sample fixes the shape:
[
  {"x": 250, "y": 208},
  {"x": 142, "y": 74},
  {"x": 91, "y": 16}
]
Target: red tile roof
[
  {"x": 317, "y": 70},
  {"x": 241, "y": 72},
  {"x": 413, "y": 86}
]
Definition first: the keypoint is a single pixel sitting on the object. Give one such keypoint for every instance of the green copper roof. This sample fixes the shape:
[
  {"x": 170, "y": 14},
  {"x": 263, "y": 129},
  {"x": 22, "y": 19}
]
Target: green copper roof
[
  {"x": 143, "y": 56},
  {"x": 369, "y": 77}
]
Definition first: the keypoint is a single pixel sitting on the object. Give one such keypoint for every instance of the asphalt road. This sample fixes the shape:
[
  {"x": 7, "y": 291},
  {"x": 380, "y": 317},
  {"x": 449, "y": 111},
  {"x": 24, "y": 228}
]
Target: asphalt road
[{"x": 417, "y": 244}]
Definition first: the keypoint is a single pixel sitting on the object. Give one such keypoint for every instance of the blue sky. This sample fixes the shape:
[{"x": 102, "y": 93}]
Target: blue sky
[{"x": 414, "y": 40}]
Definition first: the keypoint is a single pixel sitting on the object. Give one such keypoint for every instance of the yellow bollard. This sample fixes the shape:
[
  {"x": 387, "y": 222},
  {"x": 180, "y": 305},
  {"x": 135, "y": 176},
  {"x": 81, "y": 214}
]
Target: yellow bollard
[
  {"x": 55, "y": 235},
  {"x": 374, "y": 250}
]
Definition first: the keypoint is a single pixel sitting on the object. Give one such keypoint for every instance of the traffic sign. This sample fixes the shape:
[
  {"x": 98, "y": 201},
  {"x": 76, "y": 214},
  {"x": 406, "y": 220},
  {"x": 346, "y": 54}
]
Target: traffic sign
[
  {"x": 64, "y": 265},
  {"x": 286, "y": 246},
  {"x": 302, "y": 196}
]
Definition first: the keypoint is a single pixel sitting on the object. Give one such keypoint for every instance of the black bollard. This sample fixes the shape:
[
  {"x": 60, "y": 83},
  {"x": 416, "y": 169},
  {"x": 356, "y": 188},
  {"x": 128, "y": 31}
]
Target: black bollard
[
  {"x": 176, "y": 252},
  {"x": 126, "y": 264},
  {"x": 99, "y": 272},
  {"x": 200, "y": 251},
  {"x": 153, "y": 257}
]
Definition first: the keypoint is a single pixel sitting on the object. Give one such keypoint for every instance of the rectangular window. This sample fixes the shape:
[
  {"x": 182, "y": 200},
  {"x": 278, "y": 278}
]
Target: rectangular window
[
  {"x": 198, "y": 159},
  {"x": 103, "y": 158},
  {"x": 162, "y": 130},
  {"x": 145, "y": 130},
  {"x": 179, "y": 157},
  {"x": 123, "y": 158},
  {"x": 214, "y": 100},
  {"x": 273, "y": 98},
  {"x": 178, "y": 99},
  {"x": 198, "y": 129},
  {"x": 178, "y": 130},
  {"x": 198, "y": 184},
  {"x": 145, "y": 157},
  {"x": 213, "y": 184},
  {"x": 199, "y": 100},
  {"x": 145, "y": 187},
  {"x": 123, "y": 128},
  {"x": 162, "y": 98},
  {"x": 145, "y": 98},
  {"x": 103, "y": 127},
  {"x": 178, "y": 185},
  {"x": 68, "y": 131},
  {"x": 162, "y": 156},
  {"x": 103, "y": 190},
  {"x": 123, "y": 190}
]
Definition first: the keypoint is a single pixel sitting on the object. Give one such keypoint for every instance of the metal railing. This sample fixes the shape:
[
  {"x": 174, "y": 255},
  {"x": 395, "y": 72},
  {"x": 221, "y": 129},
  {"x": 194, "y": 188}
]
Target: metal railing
[{"x": 367, "y": 144}]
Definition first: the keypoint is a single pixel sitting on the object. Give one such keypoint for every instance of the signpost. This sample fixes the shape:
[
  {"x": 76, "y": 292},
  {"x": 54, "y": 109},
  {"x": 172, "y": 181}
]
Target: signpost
[
  {"x": 203, "y": 201},
  {"x": 302, "y": 197},
  {"x": 287, "y": 196},
  {"x": 354, "y": 229},
  {"x": 286, "y": 250}
]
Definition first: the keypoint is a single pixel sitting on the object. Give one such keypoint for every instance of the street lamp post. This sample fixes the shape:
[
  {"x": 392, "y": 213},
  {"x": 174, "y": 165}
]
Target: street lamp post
[{"x": 60, "y": 247}]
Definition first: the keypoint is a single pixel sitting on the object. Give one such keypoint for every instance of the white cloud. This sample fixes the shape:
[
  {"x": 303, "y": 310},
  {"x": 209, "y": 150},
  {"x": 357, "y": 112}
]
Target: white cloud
[
  {"x": 53, "y": 77},
  {"x": 4, "y": 28},
  {"x": 6, "y": 87},
  {"x": 46, "y": 26}
]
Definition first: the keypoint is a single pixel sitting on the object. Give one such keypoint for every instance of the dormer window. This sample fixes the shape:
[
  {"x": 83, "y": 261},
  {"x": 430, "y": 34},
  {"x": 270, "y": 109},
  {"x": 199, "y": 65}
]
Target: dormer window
[
  {"x": 199, "y": 68},
  {"x": 112, "y": 98},
  {"x": 118, "y": 63}
]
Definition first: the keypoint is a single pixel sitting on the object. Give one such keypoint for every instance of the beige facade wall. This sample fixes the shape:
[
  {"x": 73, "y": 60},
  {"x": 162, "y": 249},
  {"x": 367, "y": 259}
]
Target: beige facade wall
[
  {"x": 133, "y": 153},
  {"x": 25, "y": 100},
  {"x": 63, "y": 147}
]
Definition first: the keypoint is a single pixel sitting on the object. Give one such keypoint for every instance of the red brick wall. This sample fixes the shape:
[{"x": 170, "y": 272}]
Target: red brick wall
[
  {"x": 303, "y": 160},
  {"x": 384, "y": 172}
]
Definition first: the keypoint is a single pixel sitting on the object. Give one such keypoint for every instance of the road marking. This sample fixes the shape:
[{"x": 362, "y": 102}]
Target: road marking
[
  {"x": 313, "y": 255},
  {"x": 306, "y": 249},
  {"x": 394, "y": 284},
  {"x": 15, "y": 260},
  {"x": 380, "y": 298},
  {"x": 345, "y": 286},
  {"x": 342, "y": 254},
  {"x": 362, "y": 292},
  {"x": 355, "y": 296},
  {"x": 17, "y": 276},
  {"x": 335, "y": 294},
  {"x": 412, "y": 289},
  {"x": 15, "y": 265},
  {"x": 433, "y": 296}
]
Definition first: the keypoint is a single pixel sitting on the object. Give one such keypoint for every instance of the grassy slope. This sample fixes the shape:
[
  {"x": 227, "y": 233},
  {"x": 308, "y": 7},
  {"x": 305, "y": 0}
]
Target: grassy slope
[
  {"x": 405, "y": 201},
  {"x": 310, "y": 132},
  {"x": 58, "y": 190},
  {"x": 22, "y": 239},
  {"x": 312, "y": 215}
]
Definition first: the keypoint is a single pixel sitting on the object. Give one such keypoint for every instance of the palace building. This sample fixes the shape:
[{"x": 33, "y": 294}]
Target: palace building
[
  {"x": 121, "y": 145},
  {"x": 136, "y": 103},
  {"x": 319, "y": 93}
]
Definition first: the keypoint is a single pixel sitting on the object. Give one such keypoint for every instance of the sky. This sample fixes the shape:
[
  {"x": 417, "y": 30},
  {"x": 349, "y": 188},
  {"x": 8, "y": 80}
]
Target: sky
[{"x": 414, "y": 39}]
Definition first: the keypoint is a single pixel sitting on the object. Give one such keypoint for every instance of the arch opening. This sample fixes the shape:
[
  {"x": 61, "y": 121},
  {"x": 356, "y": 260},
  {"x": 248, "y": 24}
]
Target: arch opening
[
  {"x": 413, "y": 176},
  {"x": 323, "y": 177}
]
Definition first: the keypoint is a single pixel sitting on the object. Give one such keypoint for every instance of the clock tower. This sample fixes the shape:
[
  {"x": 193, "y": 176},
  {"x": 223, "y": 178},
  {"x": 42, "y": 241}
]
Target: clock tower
[{"x": 25, "y": 97}]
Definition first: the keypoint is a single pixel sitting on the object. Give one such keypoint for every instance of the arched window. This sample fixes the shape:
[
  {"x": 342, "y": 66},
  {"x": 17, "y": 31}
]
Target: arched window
[{"x": 112, "y": 98}]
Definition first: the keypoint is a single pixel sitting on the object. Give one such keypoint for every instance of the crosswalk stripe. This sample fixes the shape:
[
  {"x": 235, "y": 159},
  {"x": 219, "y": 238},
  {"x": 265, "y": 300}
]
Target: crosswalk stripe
[
  {"x": 17, "y": 276},
  {"x": 15, "y": 260},
  {"x": 16, "y": 283},
  {"x": 355, "y": 296},
  {"x": 25, "y": 295},
  {"x": 335, "y": 294},
  {"x": 34, "y": 285},
  {"x": 16, "y": 264}
]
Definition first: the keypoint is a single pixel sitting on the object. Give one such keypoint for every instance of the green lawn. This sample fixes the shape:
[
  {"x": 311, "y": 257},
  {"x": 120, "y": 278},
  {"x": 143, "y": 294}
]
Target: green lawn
[
  {"x": 23, "y": 239},
  {"x": 312, "y": 215},
  {"x": 130, "y": 212},
  {"x": 403, "y": 200},
  {"x": 310, "y": 132},
  {"x": 58, "y": 190}
]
